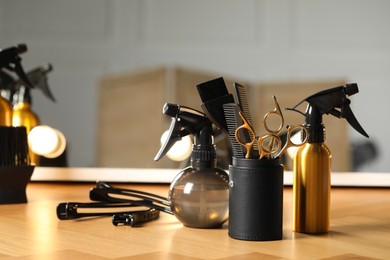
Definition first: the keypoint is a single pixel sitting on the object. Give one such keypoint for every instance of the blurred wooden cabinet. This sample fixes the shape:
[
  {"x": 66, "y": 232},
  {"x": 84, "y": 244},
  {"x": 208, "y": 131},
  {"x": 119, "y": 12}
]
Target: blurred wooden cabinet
[{"x": 130, "y": 119}]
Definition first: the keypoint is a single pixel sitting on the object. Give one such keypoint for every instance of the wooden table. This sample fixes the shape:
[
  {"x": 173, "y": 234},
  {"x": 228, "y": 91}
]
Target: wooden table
[{"x": 360, "y": 224}]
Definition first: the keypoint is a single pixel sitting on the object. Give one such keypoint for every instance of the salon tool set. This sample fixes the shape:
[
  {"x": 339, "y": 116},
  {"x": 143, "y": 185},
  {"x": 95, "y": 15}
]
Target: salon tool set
[
  {"x": 255, "y": 173},
  {"x": 251, "y": 195}
]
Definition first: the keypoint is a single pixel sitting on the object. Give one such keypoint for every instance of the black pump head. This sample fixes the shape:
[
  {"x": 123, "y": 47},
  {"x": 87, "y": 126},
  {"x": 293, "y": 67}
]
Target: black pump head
[
  {"x": 185, "y": 121},
  {"x": 332, "y": 101},
  {"x": 11, "y": 61}
]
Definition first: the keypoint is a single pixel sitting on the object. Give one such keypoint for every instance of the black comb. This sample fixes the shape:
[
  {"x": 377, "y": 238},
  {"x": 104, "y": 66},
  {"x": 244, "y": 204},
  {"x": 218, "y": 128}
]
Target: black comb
[
  {"x": 233, "y": 120},
  {"x": 242, "y": 100}
]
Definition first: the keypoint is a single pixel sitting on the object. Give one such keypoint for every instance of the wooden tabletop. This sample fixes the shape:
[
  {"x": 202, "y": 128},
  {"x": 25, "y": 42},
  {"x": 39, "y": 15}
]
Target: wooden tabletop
[{"x": 360, "y": 229}]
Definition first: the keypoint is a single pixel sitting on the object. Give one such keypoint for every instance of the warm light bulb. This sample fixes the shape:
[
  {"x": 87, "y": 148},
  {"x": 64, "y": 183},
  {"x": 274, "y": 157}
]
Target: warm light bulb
[
  {"x": 181, "y": 150},
  {"x": 46, "y": 141}
]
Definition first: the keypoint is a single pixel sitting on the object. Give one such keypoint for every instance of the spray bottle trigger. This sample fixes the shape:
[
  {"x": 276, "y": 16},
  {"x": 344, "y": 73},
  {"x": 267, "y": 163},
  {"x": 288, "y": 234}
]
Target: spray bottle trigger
[
  {"x": 38, "y": 76},
  {"x": 350, "y": 117},
  {"x": 175, "y": 133}
]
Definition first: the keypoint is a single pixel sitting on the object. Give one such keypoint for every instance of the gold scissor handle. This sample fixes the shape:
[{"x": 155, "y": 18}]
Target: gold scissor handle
[
  {"x": 245, "y": 126},
  {"x": 290, "y": 141},
  {"x": 278, "y": 112},
  {"x": 267, "y": 145}
]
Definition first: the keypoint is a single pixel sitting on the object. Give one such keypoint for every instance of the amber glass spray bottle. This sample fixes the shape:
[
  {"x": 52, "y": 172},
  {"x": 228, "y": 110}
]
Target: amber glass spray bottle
[{"x": 312, "y": 162}]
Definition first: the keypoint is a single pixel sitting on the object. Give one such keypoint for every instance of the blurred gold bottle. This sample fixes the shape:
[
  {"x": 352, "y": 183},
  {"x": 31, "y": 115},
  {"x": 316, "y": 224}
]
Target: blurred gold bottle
[
  {"x": 22, "y": 115},
  {"x": 312, "y": 189},
  {"x": 5, "y": 112}
]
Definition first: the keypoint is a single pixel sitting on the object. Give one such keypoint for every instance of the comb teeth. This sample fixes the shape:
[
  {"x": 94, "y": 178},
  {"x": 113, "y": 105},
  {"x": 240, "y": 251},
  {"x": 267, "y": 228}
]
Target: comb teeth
[
  {"x": 241, "y": 97},
  {"x": 231, "y": 111}
]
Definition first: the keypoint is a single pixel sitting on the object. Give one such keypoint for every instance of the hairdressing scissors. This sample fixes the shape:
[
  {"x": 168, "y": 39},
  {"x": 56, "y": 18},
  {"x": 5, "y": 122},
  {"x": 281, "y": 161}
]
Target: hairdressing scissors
[
  {"x": 270, "y": 144},
  {"x": 277, "y": 112},
  {"x": 264, "y": 150},
  {"x": 290, "y": 139}
]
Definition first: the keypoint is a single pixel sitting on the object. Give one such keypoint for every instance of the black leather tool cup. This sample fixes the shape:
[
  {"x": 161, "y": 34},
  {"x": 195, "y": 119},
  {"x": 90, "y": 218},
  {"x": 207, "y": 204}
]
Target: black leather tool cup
[{"x": 256, "y": 199}]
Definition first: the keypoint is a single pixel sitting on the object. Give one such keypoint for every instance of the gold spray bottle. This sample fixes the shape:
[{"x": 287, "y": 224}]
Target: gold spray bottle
[
  {"x": 312, "y": 162},
  {"x": 22, "y": 114},
  {"x": 6, "y": 87},
  {"x": 10, "y": 61},
  {"x": 5, "y": 112}
]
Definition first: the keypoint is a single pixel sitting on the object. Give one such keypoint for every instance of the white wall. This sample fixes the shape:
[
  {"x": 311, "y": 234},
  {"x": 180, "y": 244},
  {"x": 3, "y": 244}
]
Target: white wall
[{"x": 255, "y": 40}]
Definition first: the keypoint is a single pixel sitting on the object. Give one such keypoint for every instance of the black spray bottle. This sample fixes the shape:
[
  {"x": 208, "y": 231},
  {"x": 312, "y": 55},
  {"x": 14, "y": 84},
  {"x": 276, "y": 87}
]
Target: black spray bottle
[
  {"x": 312, "y": 166},
  {"x": 200, "y": 193}
]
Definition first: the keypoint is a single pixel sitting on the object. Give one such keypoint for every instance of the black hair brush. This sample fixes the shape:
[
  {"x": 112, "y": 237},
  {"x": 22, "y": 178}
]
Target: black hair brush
[{"x": 214, "y": 95}]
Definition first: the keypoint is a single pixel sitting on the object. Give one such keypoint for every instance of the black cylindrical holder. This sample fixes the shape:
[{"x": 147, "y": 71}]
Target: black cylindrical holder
[
  {"x": 13, "y": 183},
  {"x": 256, "y": 199}
]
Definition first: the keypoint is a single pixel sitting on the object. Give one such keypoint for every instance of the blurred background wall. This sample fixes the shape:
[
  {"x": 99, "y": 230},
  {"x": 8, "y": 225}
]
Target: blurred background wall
[{"x": 253, "y": 40}]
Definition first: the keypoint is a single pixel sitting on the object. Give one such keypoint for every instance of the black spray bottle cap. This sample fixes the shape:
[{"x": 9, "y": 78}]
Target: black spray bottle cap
[
  {"x": 332, "y": 101},
  {"x": 11, "y": 61},
  {"x": 38, "y": 78},
  {"x": 187, "y": 121}
]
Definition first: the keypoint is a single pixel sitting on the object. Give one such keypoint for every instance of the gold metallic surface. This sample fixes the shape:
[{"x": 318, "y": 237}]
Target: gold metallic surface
[
  {"x": 311, "y": 190},
  {"x": 23, "y": 116},
  {"x": 5, "y": 113}
]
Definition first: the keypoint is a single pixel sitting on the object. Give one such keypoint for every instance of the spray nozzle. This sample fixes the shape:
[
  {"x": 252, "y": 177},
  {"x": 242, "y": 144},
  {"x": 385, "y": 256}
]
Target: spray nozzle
[
  {"x": 11, "y": 61},
  {"x": 332, "y": 101},
  {"x": 185, "y": 121},
  {"x": 38, "y": 77},
  {"x": 351, "y": 89}
]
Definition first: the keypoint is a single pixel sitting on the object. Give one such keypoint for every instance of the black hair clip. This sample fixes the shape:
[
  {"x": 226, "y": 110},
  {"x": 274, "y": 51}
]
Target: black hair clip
[
  {"x": 70, "y": 210},
  {"x": 135, "y": 218},
  {"x": 122, "y": 204},
  {"x": 107, "y": 193}
]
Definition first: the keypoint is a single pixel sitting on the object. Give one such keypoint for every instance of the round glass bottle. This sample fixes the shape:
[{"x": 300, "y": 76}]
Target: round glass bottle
[{"x": 199, "y": 194}]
